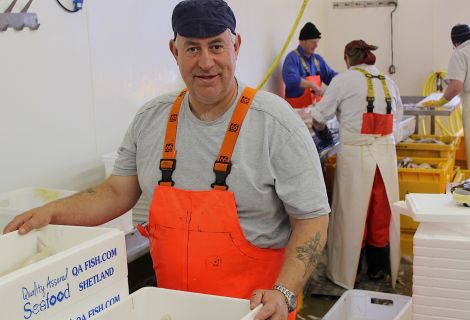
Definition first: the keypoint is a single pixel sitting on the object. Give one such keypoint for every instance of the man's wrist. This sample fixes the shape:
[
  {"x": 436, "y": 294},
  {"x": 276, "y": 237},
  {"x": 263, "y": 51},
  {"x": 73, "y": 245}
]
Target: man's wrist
[{"x": 289, "y": 297}]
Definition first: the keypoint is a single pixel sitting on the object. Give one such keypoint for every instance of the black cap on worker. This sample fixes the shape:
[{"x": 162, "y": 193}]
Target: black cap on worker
[
  {"x": 202, "y": 18},
  {"x": 460, "y": 33},
  {"x": 309, "y": 31}
]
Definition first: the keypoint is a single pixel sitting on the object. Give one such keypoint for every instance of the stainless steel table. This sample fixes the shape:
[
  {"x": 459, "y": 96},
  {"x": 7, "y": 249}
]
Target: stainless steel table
[
  {"x": 412, "y": 107},
  {"x": 136, "y": 246}
]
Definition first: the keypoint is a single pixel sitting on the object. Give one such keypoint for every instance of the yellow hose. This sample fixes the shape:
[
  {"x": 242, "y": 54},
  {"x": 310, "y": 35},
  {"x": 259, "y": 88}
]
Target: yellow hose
[
  {"x": 284, "y": 47},
  {"x": 430, "y": 86}
]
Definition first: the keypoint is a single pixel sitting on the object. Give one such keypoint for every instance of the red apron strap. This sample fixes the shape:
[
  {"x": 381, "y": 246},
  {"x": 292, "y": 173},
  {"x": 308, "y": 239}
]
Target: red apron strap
[{"x": 222, "y": 165}]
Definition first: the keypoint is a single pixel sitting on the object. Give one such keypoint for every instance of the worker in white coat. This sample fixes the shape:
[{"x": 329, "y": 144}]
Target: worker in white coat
[
  {"x": 368, "y": 108},
  {"x": 457, "y": 79}
]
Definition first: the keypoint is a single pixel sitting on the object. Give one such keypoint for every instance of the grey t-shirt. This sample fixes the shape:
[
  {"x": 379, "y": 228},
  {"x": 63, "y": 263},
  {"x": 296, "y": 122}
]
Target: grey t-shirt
[
  {"x": 459, "y": 65},
  {"x": 276, "y": 171}
]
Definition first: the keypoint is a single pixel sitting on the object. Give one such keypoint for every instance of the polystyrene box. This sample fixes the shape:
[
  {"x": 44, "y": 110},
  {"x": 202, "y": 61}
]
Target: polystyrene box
[
  {"x": 156, "y": 303},
  {"x": 95, "y": 304},
  {"x": 441, "y": 283},
  {"x": 15, "y": 202},
  {"x": 406, "y": 128},
  {"x": 431, "y": 291},
  {"x": 445, "y": 273},
  {"x": 440, "y": 302},
  {"x": 440, "y": 208},
  {"x": 443, "y": 235},
  {"x": 423, "y": 311},
  {"x": 370, "y": 305},
  {"x": 84, "y": 262}
]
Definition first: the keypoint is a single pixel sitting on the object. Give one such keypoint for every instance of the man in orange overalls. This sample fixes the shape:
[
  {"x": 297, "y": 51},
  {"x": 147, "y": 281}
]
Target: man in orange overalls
[
  {"x": 238, "y": 203},
  {"x": 303, "y": 73}
]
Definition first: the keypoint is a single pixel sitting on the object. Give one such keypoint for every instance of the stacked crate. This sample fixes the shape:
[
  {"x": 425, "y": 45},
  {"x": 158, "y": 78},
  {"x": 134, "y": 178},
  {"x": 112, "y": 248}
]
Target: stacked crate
[{"x": 419, "y": 180}]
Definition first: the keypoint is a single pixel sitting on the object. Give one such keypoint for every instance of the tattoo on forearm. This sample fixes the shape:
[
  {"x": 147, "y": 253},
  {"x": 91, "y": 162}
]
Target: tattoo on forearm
[{"x": 310, "y": 252}]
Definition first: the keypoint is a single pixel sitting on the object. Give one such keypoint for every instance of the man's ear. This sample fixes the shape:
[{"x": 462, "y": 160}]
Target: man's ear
[
  {"x": 173, "y": 49},
  {"x": 238, "y": 42}
]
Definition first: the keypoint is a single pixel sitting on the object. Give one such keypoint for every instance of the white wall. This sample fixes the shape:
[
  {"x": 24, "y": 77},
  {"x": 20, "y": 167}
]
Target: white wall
[
  {"x": 69, "y": 90},
  {"x": 421, "y": 36}
]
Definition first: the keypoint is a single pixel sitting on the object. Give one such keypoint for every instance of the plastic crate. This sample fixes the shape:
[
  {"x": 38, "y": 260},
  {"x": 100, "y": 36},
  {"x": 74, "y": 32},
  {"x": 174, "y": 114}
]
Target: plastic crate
[
  {"x": 429, "y": 150},
  {"x": 157, "y": 303},
  {"x": 370, "y": 305},
  {"x": 419, "y": 180},
  {"x": 17, "y": 201},
  {"x": 461, "y": 152},
  {"x": 461, "y": 175}
]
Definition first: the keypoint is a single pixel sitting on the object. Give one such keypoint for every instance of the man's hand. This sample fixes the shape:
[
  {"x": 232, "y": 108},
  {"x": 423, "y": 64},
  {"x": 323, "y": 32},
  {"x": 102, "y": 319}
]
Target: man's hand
[
  {"x": 435, "y": 103},
  {"x": 274, "y": 305},
  {"x": 318, "y": 91},
  {"x": 29, "y": 220}
]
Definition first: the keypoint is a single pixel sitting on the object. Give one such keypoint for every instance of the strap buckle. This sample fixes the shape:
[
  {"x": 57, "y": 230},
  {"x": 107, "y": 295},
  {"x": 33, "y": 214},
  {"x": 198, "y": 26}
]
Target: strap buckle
[
  {"x": 221, "y": 170},
  {"x": 389, "y": 105},
  {"x": 370, "y": 104},
  {"x": 167, "y": 166}
]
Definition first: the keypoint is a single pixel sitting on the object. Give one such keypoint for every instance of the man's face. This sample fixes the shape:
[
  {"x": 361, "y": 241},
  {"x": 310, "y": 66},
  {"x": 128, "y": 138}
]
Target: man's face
[
  {"x": 309, "y": 45},
  {"x": 207, "y": 65}
]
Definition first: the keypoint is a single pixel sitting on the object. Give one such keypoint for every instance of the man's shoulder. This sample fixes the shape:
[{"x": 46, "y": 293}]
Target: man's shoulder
[
  {"x": 274, "y": 108},
  {"x": 159, "y": 103}
]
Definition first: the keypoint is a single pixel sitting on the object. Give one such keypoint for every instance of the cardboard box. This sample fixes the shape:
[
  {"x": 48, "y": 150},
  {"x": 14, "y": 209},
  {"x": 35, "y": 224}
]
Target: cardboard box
[
  {"x": 84, "y": 262},
  {"x": 156, "y": 303}
]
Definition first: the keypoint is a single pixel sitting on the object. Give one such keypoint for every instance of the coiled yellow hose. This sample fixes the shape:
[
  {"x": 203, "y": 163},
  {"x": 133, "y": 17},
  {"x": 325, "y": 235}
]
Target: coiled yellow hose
[{"x": 430, "y": 86}]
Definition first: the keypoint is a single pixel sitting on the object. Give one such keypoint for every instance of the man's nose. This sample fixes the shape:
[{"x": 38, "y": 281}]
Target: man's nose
[{"x": 206, "y": 60}]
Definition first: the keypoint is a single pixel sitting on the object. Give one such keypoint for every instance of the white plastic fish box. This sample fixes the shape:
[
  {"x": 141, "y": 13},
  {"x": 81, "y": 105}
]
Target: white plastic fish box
[
  {"x": 164, "y": 304},
  {"x": 84, "y": 262},
  {"x": 17, "y": 201},
  {"x": 370, "y": 305}
]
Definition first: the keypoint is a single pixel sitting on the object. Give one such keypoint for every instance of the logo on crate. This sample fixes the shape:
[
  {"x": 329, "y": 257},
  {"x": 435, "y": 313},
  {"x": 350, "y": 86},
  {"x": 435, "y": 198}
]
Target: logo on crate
[{"x": 49, "y": 295}]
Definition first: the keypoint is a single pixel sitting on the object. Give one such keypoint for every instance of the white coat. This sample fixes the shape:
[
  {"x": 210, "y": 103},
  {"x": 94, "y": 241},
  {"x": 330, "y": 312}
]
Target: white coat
[
  {"x": 458, "y": 69},
  {"x": 357, "y": 161}
]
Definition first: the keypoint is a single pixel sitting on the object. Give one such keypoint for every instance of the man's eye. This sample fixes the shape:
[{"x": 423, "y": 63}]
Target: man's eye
[
  {"x": 192, "y": 50},
  {"x": 217, "y": 47}
]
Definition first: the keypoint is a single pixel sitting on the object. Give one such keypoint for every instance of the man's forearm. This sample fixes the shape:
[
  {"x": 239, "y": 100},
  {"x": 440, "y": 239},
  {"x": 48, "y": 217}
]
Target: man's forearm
[
  {"x": 94, "y": 206},
  {"x": 454, "y": 88},
  {"x": 303, "y": 252}
]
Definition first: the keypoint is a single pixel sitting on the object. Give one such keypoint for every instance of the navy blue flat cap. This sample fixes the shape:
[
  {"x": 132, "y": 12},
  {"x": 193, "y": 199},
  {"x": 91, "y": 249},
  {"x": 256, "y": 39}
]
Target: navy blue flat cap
[{"x": 202, "y": 18}]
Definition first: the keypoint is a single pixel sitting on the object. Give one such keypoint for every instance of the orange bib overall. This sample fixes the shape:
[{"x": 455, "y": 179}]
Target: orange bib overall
[
  {"x": 196, "y": 241},
  {"x": 307, "y": 98}
]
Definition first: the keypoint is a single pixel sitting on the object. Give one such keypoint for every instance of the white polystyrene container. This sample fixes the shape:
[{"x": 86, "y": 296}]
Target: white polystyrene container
[
  {"x": 156, "y": 303},
  {"x": 84, "y": 262},
  {"x": 17, "y": 201},
  {"x": 370, "y": 305},
  {"x": 405, "y": 128}
]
